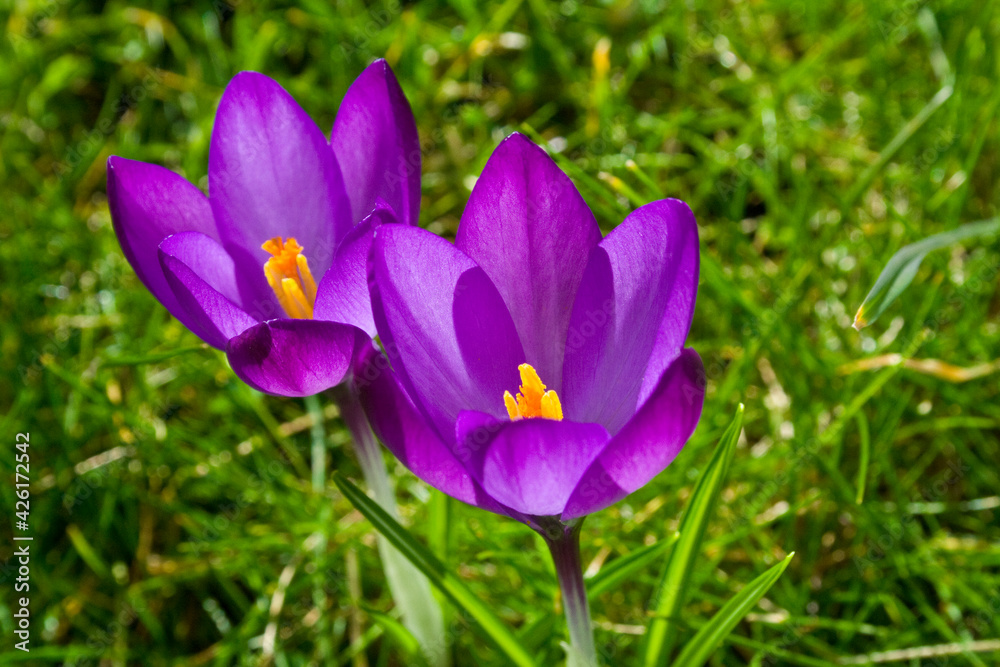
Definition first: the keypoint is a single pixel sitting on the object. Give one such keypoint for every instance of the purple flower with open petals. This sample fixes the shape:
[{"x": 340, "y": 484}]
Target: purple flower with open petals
[
  {"x": 271, "y": 267},
  {"x": 537, "y": 370}
]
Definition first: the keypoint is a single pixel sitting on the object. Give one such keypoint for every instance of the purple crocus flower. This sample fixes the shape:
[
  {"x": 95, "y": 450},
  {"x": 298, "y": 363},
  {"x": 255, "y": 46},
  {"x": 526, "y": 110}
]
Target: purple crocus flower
[
  {"x": 271, "y": 266},
  {"x": 588, "y": 332}
]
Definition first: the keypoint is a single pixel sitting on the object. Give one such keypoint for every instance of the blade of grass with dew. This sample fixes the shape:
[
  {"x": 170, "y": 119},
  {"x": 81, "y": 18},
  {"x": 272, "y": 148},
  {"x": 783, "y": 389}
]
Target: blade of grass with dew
[
  {"x": 672, "y": 590},
  {"x": 903, "y": 266},
  {"x": 700, "y": 648},
  {"x": 436, "y": 572}
]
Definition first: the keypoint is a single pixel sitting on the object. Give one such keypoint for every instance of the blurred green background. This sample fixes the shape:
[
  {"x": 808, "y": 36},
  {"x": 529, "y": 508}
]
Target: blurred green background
[{"x": 812, "y": 140}]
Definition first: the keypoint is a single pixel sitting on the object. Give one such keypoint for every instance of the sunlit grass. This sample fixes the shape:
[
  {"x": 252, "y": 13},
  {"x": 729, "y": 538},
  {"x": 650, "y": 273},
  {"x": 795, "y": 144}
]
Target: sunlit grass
[{"x": 811, "y": 143}]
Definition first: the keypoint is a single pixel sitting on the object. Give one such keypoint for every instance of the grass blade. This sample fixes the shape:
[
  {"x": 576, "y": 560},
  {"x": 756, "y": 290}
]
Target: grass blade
[
  {"x": 152, "y": 357},
  {"x": 865, "y": 442},
  {"x": 672, "y": 591},
  {"x": 436, "y": 572},
  {"x": 903, "y": 266},
  {"x": 398, "y": 634},
  {"x": 864, "y": 181},
  {"x": 622, "y": 568},
  {"x": 698, "y": 650}
]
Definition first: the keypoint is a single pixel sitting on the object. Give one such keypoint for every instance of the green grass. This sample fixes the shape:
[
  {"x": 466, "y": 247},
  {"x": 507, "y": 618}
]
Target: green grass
[{"x": 811, "y": 140}]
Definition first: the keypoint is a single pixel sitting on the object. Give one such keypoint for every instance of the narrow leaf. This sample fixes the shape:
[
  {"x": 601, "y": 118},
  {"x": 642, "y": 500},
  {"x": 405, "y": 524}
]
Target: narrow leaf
[
  {"x": 436, "y": 572},
  {"x": 622, "y": 568},
  {"x": 698, "y": 650},
  {"x": 903, "y": 266},
  {"x": 672, "y": 591},
  {"x": 152, "y": 357},
  {"x": 398, "y": 634},
  {"x": 865, "y": 442},
  {"x": 86, "y": 551},
  {"x": 537, "y": 632},
  {"x": 864, "y": 181}
]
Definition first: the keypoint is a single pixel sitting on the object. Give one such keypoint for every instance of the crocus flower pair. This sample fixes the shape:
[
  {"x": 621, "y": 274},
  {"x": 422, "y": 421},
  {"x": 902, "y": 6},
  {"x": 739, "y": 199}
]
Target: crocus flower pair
[
  {"x": 532, "y": 368},
  {"x": 271, "y": 266}
]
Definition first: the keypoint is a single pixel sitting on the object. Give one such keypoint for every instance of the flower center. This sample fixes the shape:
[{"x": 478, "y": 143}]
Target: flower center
[
  {"x": 532, "y": 400},
  {"x": 289, "y": 276}
]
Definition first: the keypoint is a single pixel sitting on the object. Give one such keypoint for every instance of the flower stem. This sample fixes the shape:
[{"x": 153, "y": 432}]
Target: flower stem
[
  {"x": 318, "y": 434},
  {"x": 410, "y": 589},
  {"x": 564, "y": 545}
]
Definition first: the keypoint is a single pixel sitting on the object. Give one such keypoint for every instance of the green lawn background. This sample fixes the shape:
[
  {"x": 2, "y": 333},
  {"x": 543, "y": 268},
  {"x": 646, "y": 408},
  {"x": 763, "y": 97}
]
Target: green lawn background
[{"x": 812, "y": 140}]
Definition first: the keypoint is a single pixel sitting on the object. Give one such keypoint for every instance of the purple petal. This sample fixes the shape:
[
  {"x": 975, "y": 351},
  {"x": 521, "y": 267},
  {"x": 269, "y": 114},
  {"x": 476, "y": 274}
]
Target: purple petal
[
  {"x": 443, "y": 324},
  {"x": 407, "y": 434},
  {"x": 632, "y": 313},
  {"x": 207, "y": 299},
  {"x": 531, "y": 465},
  {"x": 294, "y": 357},
  {"x": 207, "y": 258},
  {"x": 271, "y": 173},
  {"x": 343, "y": 295},
  {"x": 530, "y": 230},
  {"x": 149, "y": 203},
  {"x": 648, "y": 443},
  {"x": 375, "y": 140}
]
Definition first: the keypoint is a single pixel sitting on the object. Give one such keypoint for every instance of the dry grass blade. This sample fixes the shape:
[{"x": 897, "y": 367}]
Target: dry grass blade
[{"x": 933, "y": 367}]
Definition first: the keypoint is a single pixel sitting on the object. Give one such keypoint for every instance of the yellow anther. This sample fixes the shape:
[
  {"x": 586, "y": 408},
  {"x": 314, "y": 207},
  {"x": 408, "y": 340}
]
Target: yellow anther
[
  {"x": 307, "y": 277},
  {"x": 289, "y": 276},
  {"x": 532, "y": 399},
  {"x": 551, "y": 407},
  {"x": 511, "y": 405}
]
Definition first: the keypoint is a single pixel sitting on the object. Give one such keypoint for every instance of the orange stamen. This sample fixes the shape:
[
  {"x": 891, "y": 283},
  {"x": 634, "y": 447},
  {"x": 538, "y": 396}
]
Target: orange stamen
[
  {"x": 532, "y": 399},
  {"x": 289, "y": 276}
]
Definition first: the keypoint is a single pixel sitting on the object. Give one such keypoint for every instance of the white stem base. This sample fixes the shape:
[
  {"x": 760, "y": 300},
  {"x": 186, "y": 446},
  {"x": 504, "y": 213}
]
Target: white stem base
[{"x": 410, "y": 589}]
